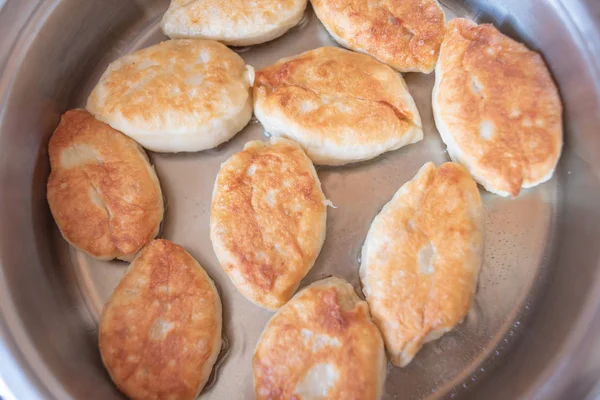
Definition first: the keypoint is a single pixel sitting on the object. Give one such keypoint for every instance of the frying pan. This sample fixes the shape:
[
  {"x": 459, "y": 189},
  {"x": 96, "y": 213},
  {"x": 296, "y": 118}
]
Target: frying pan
[{"x": 534, "y": 328}]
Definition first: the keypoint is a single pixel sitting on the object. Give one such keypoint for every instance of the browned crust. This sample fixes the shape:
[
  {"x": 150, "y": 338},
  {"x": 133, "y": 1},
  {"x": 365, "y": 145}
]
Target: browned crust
[
  {"x": 232, "y": 22},
  {"x": 353, "y": 99},
  {"x": 486, "y": 77},
  {"x": 268, "y": 227},
  {"x": 164, "y": 283},
  {"x": 331, "y": 310},
  {"x": 325, "y": 72},
  {"x": 405, "y": 34},
  {"x": 102, "y": 191},
  {"x": 132, "y": 91},
  {"x": 440, "y": 208}
]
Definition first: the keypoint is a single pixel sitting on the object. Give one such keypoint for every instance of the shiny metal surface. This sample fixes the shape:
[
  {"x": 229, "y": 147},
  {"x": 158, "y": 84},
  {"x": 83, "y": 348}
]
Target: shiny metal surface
[{"x": 533, "y": 329}]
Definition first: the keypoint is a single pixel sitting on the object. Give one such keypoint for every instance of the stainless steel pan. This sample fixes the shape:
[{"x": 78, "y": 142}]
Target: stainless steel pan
[{"x": 534, "y": 330}]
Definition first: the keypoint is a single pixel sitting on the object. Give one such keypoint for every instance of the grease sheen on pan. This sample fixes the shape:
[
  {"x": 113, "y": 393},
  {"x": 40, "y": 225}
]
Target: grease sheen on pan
[
  {"x": 321, "y": 345},
  {"x": 233, "y": 22},
  {"x": 160, "y": 331},
  {"x": 178, "y": 95},
  {"x": 267, "y": 221},
  {"x": 421, "y": 258},
  {"x": 103, "y": 193},
  {"x": 497, "y": 108},
  {"x": 405, "y": 34},
  {"x": 340, "y": 106}
]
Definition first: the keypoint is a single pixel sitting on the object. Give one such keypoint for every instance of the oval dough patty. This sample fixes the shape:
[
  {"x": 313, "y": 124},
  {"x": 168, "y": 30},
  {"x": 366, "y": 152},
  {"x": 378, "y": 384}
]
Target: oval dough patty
[
  {"x": 267, "y": 221},
  {"x": 340, "y": 106},
  {"x": 421, "y": 258},
  {"x": 160, "y": 332},
  {"x": 405, "y": 34},
  {"x": 497, "y": 108},
  {"x": 321, "y": 345},
  {"x": 103, "y": 193},
  {"x": 178, "y": 95},
  {"x": 233, "y": 22}
]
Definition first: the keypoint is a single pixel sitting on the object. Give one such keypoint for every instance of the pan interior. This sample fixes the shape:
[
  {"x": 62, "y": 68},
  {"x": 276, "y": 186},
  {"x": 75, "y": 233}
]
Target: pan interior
[
  {"x": 518, "y": 237},
  {"x": 537, "y": 280}
]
